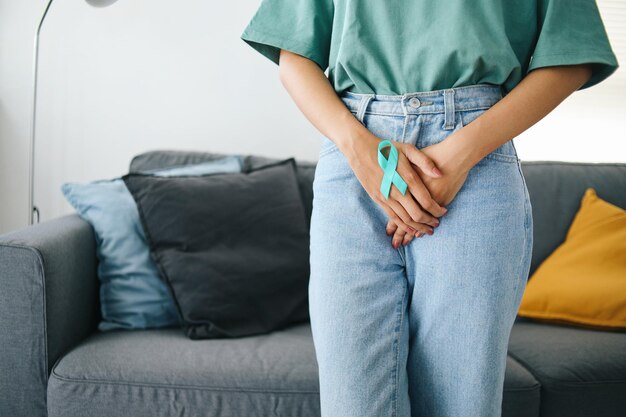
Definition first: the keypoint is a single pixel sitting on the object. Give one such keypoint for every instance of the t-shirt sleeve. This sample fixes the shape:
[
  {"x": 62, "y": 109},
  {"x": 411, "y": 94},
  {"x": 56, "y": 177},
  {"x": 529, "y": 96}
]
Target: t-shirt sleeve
[
  {"x": 300, "y": 26},
  {"x": 572, "y": 32}
]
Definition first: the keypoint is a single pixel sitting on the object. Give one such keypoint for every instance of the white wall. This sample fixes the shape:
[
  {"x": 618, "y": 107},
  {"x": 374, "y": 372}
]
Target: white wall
[
  {"x": 157, "y": 74},
  {"x": 17, "y": 20}
]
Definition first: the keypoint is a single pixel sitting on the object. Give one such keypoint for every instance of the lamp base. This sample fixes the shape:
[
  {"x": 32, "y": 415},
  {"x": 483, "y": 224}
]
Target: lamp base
[{"x": 35, "y": 210}]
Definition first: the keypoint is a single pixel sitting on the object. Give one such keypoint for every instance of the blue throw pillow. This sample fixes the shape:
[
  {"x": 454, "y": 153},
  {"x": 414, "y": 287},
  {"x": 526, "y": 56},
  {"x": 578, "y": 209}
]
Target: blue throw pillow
[{"x": 132, "y": 293}]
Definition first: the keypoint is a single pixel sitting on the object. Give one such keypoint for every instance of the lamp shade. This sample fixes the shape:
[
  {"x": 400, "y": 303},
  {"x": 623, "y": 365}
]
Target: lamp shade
[{"x": 100, "y": 3}]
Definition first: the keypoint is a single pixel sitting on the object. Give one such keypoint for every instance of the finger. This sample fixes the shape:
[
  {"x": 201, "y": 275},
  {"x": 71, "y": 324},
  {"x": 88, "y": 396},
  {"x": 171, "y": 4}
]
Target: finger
[
  {"x": 419, "y": 191},
  {"x": 408, "y": 238},
  {"x": 391, "y": 228},
  {"x": 423, "y": 161},
  {"x": 398, "y": 237},
  {"x": 416, "y": 213},
  {"x": 415, "y": 210},
  {"x": 404, "y": 216},
  {"x": 395, "y": 218}
]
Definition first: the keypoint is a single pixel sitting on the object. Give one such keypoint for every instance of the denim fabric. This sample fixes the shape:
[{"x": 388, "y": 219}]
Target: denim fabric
[{"x": 420, "y": 330}]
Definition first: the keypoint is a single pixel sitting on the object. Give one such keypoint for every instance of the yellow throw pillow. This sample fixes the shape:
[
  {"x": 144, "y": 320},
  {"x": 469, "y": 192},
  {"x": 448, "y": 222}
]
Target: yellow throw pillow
[{"x": 583, "y": 282}]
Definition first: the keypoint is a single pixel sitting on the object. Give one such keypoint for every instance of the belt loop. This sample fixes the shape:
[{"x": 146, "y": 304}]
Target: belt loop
[
  {"x": 360, "y": 113},
  {"x": 448, "y": 100},
  {"x": 403, "y": 105}
]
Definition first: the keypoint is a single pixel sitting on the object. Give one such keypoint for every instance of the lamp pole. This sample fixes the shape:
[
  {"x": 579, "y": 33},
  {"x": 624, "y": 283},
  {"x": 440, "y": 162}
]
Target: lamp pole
[
  {"x": 32, "y": 209},
  {"x": 31, "y": 159}
]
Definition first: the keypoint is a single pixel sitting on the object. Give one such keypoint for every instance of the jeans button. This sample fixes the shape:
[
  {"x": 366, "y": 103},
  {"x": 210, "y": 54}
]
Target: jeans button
[{"x": 414, "y": 102}]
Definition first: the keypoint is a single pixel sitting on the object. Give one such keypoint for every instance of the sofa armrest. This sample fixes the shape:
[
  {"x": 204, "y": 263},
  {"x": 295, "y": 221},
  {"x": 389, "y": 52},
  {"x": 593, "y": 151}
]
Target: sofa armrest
[{"x": 48, "y": 303}]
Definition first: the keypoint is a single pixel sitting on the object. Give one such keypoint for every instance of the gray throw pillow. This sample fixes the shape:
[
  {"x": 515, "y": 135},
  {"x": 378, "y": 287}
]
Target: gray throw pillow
[{"x": 233, "y": 247}]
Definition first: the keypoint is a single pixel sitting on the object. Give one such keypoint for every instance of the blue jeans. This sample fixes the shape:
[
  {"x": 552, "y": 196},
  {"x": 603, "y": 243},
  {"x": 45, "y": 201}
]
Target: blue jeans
[{"x": 421, "y": 330}]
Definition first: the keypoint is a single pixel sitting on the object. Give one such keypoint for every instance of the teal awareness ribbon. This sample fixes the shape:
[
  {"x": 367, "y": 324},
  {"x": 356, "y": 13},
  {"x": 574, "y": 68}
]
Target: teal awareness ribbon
[{"x": 390, "y": 175}]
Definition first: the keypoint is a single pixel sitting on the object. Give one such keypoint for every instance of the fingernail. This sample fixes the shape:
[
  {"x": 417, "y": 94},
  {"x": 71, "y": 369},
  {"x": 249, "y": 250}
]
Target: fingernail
[{"x": 436, "y": 171}]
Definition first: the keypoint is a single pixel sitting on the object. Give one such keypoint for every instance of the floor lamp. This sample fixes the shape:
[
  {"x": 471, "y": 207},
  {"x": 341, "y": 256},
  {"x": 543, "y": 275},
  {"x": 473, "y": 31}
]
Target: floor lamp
[{"x": 31, "y": 162}]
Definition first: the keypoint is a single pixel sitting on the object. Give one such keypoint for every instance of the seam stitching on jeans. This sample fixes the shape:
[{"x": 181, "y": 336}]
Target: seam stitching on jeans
[
  {"x": 401, "y": 252},
  {"x": 524, "y": 259},
  {"x": 331, "y": 149},
  {"x": 397, "y": 342},
  {"x": 404, "y": 123}
]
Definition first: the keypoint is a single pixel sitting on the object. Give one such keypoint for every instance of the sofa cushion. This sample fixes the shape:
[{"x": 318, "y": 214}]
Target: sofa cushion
[
  {"x": 160, "y": 372},
  {"x": 582, "y": 371},
  {"x": 522, "y": 391},
  {"x": 157, "y": 159},
  {"x": 555, "y": 190},
  {"x": 233, "y": 248},
  {"x": 132, "y": 294},
  {"x": 583, "y": 282}
]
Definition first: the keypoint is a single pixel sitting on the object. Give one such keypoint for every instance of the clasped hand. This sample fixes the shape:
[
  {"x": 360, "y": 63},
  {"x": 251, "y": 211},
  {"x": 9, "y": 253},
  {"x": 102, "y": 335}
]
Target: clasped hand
[
  {"x": 442, "y": 188},
  {"x": 429, "y": 189}
]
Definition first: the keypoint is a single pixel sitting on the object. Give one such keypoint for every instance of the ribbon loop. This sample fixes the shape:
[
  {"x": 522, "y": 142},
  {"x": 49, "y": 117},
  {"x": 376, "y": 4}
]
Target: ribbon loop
[{"x": 389, "y": 165}]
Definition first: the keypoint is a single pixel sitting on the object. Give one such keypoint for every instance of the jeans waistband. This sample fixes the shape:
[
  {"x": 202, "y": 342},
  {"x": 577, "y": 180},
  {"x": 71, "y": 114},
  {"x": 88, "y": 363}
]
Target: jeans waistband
[{"x": 448, "y": 101}]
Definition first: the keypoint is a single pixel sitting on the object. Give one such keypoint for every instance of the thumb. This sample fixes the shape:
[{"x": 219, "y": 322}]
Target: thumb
[{"x": 422, "y": 160}]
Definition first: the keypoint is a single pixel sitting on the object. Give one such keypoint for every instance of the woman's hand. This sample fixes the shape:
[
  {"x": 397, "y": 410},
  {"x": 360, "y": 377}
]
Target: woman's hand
[
  {"x": 446, "y": 187},
  {"x": 416, "y": 210},
  {"x": 443, "y": 189}
]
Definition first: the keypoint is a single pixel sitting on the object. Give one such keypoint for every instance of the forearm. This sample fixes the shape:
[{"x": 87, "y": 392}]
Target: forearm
[
  {"x": 316, "y": 98},
  {"x": 534, "y": 97}
]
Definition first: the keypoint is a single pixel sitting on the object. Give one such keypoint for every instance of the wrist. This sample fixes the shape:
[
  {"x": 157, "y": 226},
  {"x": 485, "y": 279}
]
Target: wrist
[
  {"x": 462, "y": 153},
  {"x": 457, "y": 157},
  {"x": 353, "y": 141}
]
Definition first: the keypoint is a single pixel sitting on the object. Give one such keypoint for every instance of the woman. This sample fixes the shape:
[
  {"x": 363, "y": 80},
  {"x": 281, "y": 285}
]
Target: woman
[{"x": 422, "y": 329}]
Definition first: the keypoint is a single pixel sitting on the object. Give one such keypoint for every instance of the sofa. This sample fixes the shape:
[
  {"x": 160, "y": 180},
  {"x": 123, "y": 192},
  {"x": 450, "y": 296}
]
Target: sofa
[{"x": 54, "y": 361}]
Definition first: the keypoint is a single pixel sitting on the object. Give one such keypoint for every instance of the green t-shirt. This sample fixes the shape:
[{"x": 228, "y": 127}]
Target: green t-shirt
[{"x": 395, "y": 46}]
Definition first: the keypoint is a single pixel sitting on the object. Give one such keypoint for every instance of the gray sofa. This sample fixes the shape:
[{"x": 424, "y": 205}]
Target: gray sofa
[{"x": 53, "y": 361}]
